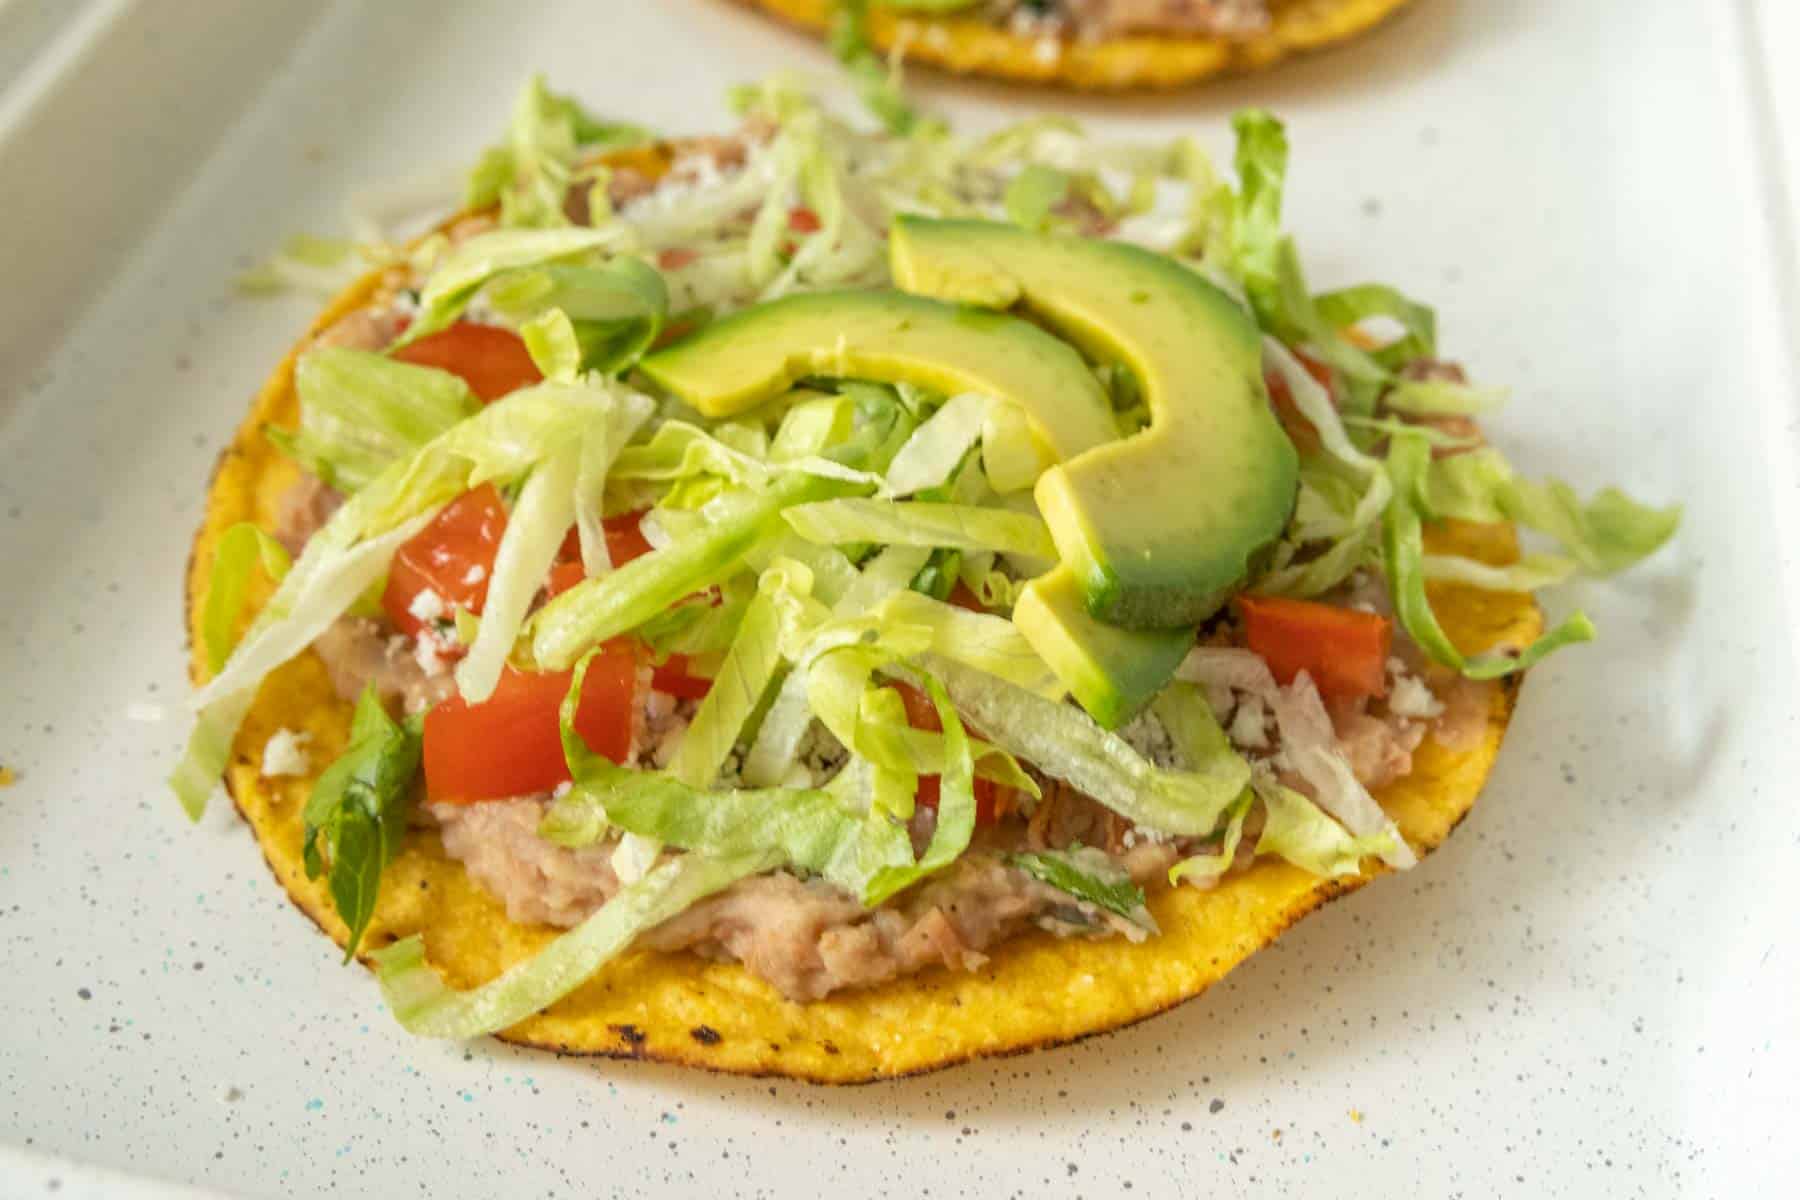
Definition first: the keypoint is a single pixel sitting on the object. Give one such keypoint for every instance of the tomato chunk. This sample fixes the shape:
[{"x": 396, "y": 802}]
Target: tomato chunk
[
  {"x": 510, "y": 745},
  {"x": 673, "y": 678},
  {"x": 1344, "y": 650},
  {"x": 676, "y": 258},
  {"x": 491, "y": 360},
  {"x": 452, "y": 557},
  {"x": 804, "y": 220},
  {"x": 625, "y": 540},
  {"x": 962, "y": 597},
  {"x": 563, "y": 576},
  {"x": 991, "y": 799}
]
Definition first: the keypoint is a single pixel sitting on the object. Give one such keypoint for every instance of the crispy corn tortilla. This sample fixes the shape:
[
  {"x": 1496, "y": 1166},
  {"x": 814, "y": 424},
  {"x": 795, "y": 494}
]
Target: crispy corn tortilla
[
  {"x": 973, "y": 46},
  {"x": 1037, "y": 990}
]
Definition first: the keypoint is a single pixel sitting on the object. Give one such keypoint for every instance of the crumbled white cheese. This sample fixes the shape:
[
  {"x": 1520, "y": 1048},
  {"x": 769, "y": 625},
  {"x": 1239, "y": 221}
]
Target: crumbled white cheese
[
  {"x": 1409, "y": 697},
  {"x": 562, "y": 789},
  {"x": 427, "y": 605},
  {"x": 475, "y": 574},
  {"x": 1047, "y": 50},
  {"x": 429, "y": 655},
  {"x": 285, "y": 754}
]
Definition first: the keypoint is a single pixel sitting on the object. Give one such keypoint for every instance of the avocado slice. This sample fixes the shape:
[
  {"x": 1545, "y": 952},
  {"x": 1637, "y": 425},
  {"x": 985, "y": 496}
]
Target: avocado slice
[
  {"x": 738, "y": 362},
  {"x": 1161, "y": 527},
  {"x": 1111, "y": 672}
]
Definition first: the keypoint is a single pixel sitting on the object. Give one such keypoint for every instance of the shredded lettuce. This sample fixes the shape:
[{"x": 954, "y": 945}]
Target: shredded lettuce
[
  {"x": 937, "y": 448},
  {"x": 196, "y": 776},
  {"x": 467, "y": 267},
  {"x": 425, "y": 1005},
  {"x": 1296, "y": 829},
  {"x": 361, "y": 412},
  {"x": 1310, "y": 746},
  {"x": 1034, "y": 194},
  {"x": 737, "y": 688},
  {"x": 625, "y": 598},
  {"x": 837, "y": 831},
  {"x": 615, "y": 311},
  {"x": 241, "y": 549},
  {"x": 1441, "y": 398},
  {"x": 813, "y": 423},
  {"x": 1351, "y": 534},
  {"x": 1204, "y": 870},
  {"x": 355, "y": 818},
  {"x": 1062, "y": 741},
  {"x": 922, "y": 523},
  {"x": 529, "y": 175},
  {"x": 563, "y": 489},
  {"x": 550, "y": 340},
  {"x": 1529, "y": 574},
  {"x": 1418, "y": 322},
  {"x": 534, "y": 532},
  {"x": 1403, "y": 552},
  {"x": 353, "y": 549},
  {"x": 876, "y": 84},
  {"x": 1268, "y": 264},
  {"x": 1607, "y": 534}
]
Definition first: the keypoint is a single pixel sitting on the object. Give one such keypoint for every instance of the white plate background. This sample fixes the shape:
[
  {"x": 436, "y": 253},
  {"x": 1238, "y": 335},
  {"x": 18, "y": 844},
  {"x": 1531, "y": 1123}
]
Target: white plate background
[{"x": 1592, "y": 990}]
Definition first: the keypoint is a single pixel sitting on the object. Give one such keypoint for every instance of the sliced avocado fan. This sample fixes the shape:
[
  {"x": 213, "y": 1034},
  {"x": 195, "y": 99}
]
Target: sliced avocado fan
[
  {"x": 1161, "y": 527},
  {"x": 753, "y": 355}
]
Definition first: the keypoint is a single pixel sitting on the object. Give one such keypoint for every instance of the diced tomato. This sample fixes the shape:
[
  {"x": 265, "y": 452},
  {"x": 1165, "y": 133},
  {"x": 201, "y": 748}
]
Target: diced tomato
[
  {"x": 491, "y": 360},
  {"x": 563, "y": 576},
  {"x": 803, "y": 220},
  {"x": 453, "y": 557},
  {"x": 962, "y": 597},
  {"x": 1344, "y": 650},
  {"x": 991, "y": 799},
  {"x": 510, "y": 745},
  {"x": 673, "y": 678},
  {"x": 625, "y": 540},
  {"x": 677, "y": 258}
]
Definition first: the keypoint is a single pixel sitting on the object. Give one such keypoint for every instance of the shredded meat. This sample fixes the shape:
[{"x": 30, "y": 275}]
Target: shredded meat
[{"x": 1378, "y": 746}]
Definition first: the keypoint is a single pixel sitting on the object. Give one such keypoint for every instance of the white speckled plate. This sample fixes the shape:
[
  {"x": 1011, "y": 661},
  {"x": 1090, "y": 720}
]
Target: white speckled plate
[{"x": 1593, "y": 990}]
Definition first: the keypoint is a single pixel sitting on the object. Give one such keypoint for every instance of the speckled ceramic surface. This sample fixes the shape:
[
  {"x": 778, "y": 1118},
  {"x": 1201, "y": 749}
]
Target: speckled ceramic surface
[{"x": 1593, "y": 990}]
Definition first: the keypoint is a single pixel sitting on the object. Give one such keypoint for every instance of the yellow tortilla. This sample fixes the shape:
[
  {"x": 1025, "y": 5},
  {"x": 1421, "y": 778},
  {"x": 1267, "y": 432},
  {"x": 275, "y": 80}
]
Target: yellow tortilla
[
  {"x": 973, "y": 46},
  {"x": 1037, "y": 990}
]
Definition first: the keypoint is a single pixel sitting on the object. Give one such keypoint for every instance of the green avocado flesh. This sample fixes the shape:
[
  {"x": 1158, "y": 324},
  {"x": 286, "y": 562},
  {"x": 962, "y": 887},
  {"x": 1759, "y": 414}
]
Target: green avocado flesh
[
  {"x": 754, "y": 355},
  {"x": 1111, "y": 672},
  {"x": 1159, "y": 528}
]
